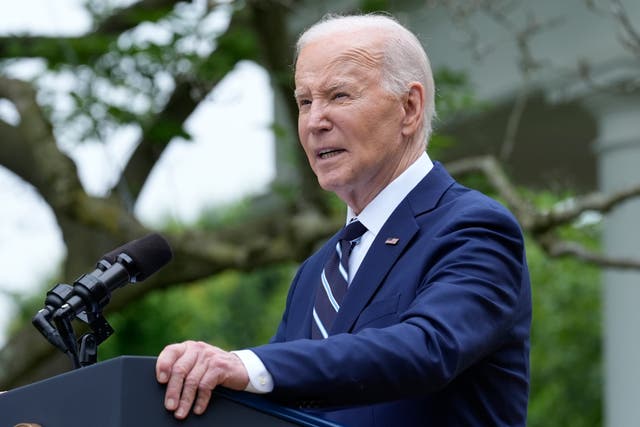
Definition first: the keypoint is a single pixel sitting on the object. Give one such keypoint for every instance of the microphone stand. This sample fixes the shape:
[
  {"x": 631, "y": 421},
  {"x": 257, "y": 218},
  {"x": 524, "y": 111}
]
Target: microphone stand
[
  {"x": 84, "y": 301},
  {"x": 82, "y": 352}
]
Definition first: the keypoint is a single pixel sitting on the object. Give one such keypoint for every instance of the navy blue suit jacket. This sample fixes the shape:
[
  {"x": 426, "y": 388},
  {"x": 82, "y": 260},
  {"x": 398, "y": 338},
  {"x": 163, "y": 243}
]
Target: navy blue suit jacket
[{"x": 434, "y": 330}]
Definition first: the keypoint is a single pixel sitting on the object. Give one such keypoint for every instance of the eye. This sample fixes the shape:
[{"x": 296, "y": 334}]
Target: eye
[
  {"x": 340, "y": 95},
  {"x": 303, "y": 101}
]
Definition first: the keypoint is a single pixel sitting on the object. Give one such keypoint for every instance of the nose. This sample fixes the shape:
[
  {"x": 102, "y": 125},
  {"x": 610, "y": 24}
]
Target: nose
[{"x": 318, "y": 118}]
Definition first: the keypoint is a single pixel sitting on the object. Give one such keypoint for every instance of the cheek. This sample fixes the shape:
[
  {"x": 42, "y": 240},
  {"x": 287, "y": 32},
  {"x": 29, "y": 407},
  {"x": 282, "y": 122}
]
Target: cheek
[
  {"x": 386, "y": 127},
  {"x": 301, "y": 127},
  {"x": 376, "y": 120},
  {"x": 302, "y": 135}
]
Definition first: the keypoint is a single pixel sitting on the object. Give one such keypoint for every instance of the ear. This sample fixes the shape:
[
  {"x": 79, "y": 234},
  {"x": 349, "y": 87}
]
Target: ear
[{"x": 413, "y": 104}]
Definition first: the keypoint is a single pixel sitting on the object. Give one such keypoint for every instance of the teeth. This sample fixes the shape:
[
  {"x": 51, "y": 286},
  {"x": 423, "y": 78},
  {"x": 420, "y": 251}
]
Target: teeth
[{"x": 325, "y": 154}]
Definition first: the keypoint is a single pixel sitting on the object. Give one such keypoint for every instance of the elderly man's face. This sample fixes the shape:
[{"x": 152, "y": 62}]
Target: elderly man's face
[{"x": 353, "y": 131}]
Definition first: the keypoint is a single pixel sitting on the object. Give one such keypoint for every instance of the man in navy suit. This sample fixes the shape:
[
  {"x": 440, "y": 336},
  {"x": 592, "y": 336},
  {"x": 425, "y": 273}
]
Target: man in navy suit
[{"x": 434, "y": 327}]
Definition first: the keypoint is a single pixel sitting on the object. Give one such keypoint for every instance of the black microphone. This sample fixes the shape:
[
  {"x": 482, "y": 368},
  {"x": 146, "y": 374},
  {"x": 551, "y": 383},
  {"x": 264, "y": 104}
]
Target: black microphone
[
  {"x": 129, "y": 263},
  {"x": 148, "y": 254}
]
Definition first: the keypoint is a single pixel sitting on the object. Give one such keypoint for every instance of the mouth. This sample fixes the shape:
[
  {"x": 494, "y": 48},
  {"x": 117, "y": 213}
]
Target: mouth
[{"x": 330, "y": 152}]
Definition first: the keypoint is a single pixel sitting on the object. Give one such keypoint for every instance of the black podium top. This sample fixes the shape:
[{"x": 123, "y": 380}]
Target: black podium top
[{"x": 123, "y": 392}]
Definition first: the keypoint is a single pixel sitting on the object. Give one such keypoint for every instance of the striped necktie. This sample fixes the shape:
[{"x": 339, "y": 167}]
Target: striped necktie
[{"x": 334, "y": 280}]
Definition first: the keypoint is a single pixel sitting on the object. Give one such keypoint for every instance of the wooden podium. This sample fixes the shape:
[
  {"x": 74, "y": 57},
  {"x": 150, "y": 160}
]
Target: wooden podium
[{"x": 123, "y": 392}]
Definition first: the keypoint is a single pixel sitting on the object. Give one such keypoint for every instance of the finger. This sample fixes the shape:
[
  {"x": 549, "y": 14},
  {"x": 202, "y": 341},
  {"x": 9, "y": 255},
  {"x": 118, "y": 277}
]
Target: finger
[
  {"x": 208, "y": 382},
  {"x": 225, "y": 369},
  {"x": 202, "y": 402},
  {"x": 190, "y": 387},
  {"x": 179, "y": 372},
  {"x": 166, "y": 359}
]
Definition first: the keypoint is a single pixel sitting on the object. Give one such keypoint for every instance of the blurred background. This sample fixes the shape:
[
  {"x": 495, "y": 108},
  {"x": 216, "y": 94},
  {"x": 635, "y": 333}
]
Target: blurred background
[{"x": 122, "y": 117}]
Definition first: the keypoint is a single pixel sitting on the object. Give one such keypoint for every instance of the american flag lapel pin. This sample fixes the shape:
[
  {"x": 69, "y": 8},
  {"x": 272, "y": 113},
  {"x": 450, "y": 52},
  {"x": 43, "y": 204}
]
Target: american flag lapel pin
[{"x": 391, "y": 241}]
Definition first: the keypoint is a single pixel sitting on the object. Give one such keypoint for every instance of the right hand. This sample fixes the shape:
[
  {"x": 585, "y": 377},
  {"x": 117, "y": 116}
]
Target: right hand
[{"x": 192, "y": 370}]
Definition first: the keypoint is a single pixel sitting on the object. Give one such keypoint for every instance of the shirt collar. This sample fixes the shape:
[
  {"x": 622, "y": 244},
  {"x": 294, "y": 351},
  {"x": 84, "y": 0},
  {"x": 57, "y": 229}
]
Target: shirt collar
[{"x": 376, "y": 213}]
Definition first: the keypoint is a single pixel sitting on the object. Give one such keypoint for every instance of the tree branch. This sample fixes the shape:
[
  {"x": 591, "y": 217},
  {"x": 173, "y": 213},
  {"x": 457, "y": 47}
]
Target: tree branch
[
  {"x": 541, "y": 225},
  {"x": 33, "y": 154},
  {"x": 270, "y": 23},
  {"x": 87, "y": 48},
  {"x": 129, "y": 17},
  {"x": 513, "y": 123},
  {"x": 557, "y": 248},
  {"x": 84, "y": 49},
  {"x": 491, "y": 169},
  {"x": 565, "y": 213},
  {"x": 187, "y": 95},
  {"x": 631, "y": 36}
]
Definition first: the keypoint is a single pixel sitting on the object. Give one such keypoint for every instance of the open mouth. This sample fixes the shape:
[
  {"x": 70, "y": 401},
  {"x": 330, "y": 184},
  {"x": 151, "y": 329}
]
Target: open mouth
[{"x": 326, "y": 154}]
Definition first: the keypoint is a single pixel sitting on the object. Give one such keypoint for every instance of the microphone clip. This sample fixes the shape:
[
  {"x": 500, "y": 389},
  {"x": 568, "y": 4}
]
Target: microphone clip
[
  {"x": 82, "y": 352},
  {"x": 85, "y": 301}
]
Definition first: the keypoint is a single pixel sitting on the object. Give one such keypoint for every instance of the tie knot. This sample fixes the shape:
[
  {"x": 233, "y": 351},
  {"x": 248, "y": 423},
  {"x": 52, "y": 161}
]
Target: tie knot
[{"x": 352, "y": 231}]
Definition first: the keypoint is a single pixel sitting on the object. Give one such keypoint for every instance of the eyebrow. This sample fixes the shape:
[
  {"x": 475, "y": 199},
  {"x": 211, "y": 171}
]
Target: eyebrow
[
  {"x": 336, "y": 86},
  {"x": 297, "y": 93}
]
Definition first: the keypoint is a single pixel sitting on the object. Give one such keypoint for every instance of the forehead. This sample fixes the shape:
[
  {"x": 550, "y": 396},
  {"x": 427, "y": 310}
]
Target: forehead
[{"x": 337, "y": 57}]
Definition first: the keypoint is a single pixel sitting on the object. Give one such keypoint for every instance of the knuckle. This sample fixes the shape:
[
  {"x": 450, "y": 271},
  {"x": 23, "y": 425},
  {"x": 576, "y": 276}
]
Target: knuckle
[
  {"x": 191, "y": 383},
  {"x": 175, "y": 348},
  {"x": 180, "y": 369},
  {"x": 204, "y": 390},
  {"x": 189, "y": 344},
  {"x": 186, "y": 401},
  {"x": 209, "y": 382}
]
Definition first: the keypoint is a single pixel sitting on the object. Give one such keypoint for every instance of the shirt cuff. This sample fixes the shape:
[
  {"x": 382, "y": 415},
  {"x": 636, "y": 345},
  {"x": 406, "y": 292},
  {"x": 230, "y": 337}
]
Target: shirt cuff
[{"x": 260, "y": 380}]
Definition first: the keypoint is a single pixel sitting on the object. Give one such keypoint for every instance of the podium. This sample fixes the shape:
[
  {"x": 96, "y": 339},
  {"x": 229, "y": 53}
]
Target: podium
[{"x": 123, "y": 392}]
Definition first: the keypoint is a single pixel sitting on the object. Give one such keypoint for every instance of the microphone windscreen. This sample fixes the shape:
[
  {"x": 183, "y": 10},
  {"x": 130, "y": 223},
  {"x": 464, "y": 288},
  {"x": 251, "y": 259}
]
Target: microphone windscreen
[{"x": 149, "y": 254}]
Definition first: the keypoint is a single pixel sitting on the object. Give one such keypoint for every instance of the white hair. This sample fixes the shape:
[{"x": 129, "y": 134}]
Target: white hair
[{"x": 405, "y": 60}]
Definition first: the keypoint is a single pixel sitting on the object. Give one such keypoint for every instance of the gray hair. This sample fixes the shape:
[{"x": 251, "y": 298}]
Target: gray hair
[{"x": 405, "y": 60}]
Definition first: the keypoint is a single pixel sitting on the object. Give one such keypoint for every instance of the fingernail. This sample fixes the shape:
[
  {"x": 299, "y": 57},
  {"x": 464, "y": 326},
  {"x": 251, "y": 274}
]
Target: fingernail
[
  {"x": 198, "y": 409},
  {"x": 162, "y": 377},
  {"x": 171, "y": 404},
  {"x": 181, "y": 413}
]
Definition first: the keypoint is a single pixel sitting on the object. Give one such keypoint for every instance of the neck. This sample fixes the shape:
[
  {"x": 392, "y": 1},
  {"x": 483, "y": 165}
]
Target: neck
[{"x": 358, "y": 201}]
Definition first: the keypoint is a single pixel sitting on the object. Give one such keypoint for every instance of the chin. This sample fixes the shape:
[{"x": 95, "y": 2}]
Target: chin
[
  {"x": 332, "y": 182},
  {"x": 326, "y": 185}
]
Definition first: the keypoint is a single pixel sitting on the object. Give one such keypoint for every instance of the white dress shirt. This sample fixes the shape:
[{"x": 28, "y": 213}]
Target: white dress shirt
[{"x": 373, "y": 216}]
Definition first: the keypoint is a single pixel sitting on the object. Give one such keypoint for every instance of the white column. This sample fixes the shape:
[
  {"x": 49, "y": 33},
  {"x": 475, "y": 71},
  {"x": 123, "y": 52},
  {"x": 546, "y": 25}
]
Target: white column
[{"x": 618, "y": 150}]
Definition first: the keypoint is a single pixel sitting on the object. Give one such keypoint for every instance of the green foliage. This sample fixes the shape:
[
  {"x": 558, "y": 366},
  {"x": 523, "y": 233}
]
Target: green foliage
[
  {"x": 127, "y": 78},
  {"x": 369, "y": 6},
  {"x": 566, "y": 371},
  {"x": 231, "y": 310},
  {"x": 234, "y": 213},
  {"x": 454, "y": 93}
]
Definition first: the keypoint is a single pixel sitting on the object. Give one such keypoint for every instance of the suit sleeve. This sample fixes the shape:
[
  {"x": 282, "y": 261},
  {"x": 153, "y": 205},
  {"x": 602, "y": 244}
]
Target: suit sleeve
[{"x": 471, "y": 299}]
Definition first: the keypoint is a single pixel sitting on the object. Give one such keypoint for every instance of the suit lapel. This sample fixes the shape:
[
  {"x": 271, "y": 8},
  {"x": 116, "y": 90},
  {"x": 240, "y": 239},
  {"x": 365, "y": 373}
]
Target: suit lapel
[
  {"x": 375, "y": 266},
  {"x": 402, "y": 226}
]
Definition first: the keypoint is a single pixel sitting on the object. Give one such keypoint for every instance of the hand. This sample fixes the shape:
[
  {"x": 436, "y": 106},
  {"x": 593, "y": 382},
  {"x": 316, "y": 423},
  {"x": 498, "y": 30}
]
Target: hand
[{"x": 192, "y": 370}]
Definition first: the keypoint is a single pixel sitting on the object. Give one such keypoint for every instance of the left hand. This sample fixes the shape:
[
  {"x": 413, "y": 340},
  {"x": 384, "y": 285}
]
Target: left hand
[{"x": 192, "y": 370}]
